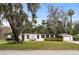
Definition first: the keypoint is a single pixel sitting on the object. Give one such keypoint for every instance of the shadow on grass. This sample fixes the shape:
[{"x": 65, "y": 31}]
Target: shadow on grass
[{"x": 14, "y": 42}]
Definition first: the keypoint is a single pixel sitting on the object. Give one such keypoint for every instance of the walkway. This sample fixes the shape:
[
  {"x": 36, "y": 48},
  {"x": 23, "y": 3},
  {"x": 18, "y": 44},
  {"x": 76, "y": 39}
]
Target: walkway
[{"x": 39, "y": 52}]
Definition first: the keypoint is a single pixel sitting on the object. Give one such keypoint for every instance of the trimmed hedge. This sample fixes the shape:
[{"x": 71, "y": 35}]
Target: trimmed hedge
[
  {"x": 9, "y": 39},
  {"x": 53, "y": 39},
  {"x": 32, "y": 39}
]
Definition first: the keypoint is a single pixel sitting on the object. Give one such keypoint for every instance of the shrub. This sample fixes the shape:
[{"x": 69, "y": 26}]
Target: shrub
[
  {"x": 76, "y": 37},
  {"x": 32, "y": 39},
  {"x": 53, "y": 39},
  {"x": 9, "y": 39}
]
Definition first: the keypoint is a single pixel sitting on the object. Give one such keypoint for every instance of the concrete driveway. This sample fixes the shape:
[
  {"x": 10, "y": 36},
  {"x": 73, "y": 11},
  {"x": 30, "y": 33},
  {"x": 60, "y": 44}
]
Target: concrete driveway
[
  {"x": 75, "y": 42},
  {"x": 39, "y": 52}
]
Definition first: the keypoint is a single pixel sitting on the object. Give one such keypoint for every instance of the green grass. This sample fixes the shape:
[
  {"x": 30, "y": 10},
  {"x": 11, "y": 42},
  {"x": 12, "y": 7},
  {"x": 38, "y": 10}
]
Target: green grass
[
  {"x": 45, "y": 45},
  {"x": 2, "y": 40}
]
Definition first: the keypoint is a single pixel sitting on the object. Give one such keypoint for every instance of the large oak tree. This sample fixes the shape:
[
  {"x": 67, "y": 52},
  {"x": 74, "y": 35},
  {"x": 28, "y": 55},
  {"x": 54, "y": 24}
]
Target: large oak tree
[{"x": 16, "y": 17}]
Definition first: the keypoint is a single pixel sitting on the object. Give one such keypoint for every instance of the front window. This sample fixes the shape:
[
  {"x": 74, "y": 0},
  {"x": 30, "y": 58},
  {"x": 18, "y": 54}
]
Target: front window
[
  {"x": 27, "y": 36},
  {"x": 47, "y": 36},
  {"x": 42, "y": 36},
  {"x": 37, "y": 36}
]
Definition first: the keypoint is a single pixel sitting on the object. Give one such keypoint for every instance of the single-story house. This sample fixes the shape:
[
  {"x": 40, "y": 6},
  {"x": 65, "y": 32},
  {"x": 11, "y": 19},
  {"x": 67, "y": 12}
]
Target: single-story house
[
  {"x": 36, "y": 37},
  {"x": 41, "y": 37}
]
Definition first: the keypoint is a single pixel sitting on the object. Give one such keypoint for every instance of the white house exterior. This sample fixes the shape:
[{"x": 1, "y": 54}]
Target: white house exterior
[
  {"x": 35, "y": 37},
  {"x": 67, "y": 37},
  {"x": 41, "y": 37}
]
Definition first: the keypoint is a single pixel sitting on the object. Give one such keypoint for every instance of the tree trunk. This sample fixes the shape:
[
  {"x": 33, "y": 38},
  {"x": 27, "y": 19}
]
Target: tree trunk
[
  {"x": 15, "y": 34},
  {"x": 71, "y": 25},
  {"x": 71, "y": 21},
  {"x": 22, "y": 39},
  {"x": 33, "y": 22}
]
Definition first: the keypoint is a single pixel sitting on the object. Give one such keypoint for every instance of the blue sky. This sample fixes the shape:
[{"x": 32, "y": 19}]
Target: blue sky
[{"x": 43, "y": 10}]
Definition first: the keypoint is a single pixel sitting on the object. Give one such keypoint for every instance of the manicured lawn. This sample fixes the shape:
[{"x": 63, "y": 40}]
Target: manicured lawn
[
  {"x": 2, "y": 40},
  {"x": 45, "y": 45}
]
